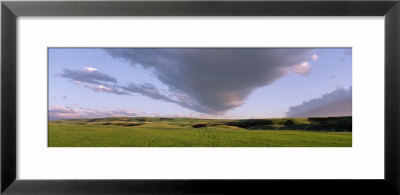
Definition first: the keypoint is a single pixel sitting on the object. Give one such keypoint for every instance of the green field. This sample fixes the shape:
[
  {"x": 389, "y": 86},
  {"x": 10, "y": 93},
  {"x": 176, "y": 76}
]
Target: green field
[{"x": 185, "y": 132}]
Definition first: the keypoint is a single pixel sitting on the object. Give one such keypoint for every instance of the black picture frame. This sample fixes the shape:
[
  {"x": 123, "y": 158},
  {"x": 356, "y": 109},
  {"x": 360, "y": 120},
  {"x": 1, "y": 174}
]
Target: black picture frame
[{"x": 11, "y": 10}]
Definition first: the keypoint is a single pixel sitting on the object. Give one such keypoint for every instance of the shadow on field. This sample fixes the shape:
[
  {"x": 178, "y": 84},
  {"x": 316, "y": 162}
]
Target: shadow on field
[
  {"x": 331, "y": 124},
  {"x": 334, "y": 124}
]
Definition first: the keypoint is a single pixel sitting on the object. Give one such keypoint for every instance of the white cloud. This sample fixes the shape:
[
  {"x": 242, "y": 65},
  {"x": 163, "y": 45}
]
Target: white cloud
[
  {"x": 303, "y": 68},
  {"x": 102, "y": 88},
  {"x": 89, "y": 69},
  {"x": 314, "y": 57}
]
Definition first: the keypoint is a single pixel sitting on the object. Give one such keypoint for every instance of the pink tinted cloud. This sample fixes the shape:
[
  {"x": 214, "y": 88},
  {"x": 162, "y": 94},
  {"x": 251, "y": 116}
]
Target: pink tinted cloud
[{"x": 60, "y": 112}]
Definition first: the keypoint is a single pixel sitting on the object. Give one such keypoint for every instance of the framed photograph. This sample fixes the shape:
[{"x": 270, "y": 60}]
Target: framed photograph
[{"x": 199, "y": 97}]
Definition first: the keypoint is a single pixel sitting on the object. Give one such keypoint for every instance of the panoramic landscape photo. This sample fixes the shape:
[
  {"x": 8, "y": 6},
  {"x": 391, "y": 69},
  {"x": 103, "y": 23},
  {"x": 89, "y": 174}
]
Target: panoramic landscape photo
[{"x": 200, "y": 97}]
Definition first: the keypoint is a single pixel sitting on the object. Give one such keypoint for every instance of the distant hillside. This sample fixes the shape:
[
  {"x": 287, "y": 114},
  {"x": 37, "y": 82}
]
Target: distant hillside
[{"x": 337, "y": 124}]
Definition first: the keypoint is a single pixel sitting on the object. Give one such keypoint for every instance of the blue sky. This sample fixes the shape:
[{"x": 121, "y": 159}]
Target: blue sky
[{"x": 202, "y": 82}]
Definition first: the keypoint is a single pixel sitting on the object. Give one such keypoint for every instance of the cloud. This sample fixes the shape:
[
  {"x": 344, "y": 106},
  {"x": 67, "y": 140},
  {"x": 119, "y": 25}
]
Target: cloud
[
  {"x": 102, "y": 88},
  {"x": 303, "y": 68},
  {"x": 212, "y": 80},
  {"x": 146, "y": 89},
  {"x": 151, "y": 91},
  {"x": 75, "y": 111},
  {"x": 60, "y": 112},
  {"x": 95, "y": 80},
  {"x": 89, "y": 69},
  {"x": 60, "y": 109},
  {"x": 314, "y": 57},
  {"x": 335, "y": 103},
  {"x": 88, "y": 75}
]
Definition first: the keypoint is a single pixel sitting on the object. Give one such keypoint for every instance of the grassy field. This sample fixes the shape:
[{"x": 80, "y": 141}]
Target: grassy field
[{"x": 184, "y": 132}]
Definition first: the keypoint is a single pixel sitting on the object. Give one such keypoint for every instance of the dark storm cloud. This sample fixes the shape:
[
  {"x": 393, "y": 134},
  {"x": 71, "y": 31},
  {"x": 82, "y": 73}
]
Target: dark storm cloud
[
  {"x": 89, "y": 75},
  {"x": 335, "y": 103},
  {"x": 216, "y": 80}
]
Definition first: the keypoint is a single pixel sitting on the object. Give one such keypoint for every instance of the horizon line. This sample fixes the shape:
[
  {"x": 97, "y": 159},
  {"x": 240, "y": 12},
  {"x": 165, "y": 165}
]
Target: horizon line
[{"x": 199, "y": 118}]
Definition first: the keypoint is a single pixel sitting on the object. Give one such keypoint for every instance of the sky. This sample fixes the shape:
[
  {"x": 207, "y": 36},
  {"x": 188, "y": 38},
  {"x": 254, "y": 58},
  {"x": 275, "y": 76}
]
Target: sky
[{"x": 232, "y": 83}]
